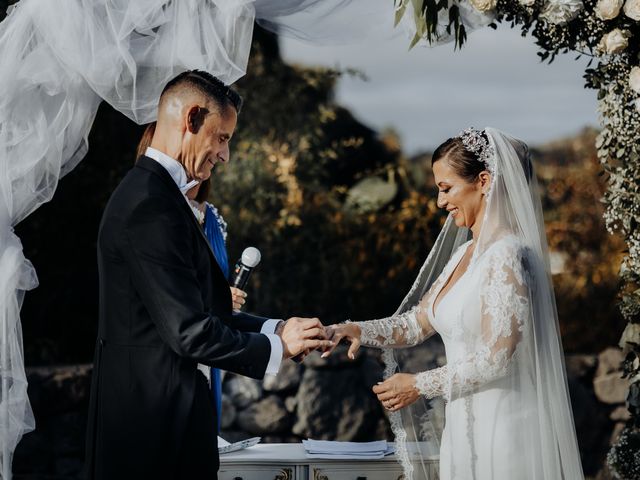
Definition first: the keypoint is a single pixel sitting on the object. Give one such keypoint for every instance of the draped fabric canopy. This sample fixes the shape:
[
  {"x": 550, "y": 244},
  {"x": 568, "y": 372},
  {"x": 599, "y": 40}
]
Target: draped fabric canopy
[{"x": 61, "y": 59}]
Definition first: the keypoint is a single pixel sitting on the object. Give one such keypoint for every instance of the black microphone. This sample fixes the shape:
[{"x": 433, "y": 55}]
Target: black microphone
[{"x": 248, "y": 261}]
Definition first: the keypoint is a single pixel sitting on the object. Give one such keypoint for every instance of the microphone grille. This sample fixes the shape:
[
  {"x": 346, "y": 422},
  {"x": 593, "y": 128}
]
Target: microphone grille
[{"x": 251, "y": 257}]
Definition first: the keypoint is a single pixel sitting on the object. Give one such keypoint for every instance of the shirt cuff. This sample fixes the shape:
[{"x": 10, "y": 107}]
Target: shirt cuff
[
  {"x": 276, "y": 354},
  {"x": 270, "y": 326}
]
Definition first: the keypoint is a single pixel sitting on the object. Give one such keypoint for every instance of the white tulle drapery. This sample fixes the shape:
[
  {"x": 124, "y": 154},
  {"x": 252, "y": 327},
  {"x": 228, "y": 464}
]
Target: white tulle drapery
[{"x": 60, "y": 59}]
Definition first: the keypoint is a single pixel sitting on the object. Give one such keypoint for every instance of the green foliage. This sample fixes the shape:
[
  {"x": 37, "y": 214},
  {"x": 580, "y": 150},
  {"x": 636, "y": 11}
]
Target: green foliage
[
  {"x": 587, "y": 286},
  {"x": 296, "y": 156}
]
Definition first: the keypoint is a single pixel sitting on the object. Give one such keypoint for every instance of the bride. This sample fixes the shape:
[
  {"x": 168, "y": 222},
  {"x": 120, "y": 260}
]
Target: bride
[{"x": 486, "y": 289}]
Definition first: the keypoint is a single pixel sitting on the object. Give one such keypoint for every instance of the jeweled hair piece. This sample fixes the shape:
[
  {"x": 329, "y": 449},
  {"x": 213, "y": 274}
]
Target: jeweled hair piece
[{"x": 476, "y": 142}]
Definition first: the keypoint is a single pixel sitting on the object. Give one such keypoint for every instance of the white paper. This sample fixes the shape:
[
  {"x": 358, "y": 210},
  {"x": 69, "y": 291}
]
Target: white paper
[
  {"x": 347, "y": 450},
  {"x": 226, "y": 447}
]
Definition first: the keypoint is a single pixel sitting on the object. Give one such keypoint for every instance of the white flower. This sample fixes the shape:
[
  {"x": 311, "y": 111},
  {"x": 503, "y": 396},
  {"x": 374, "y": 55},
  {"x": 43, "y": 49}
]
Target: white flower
[
  {"x": 634, "y": 79},
  {"x": 614, "y": 42},
  {"x": 483, "y": 5},
  {"x": 632, "y": 9},
  {"x": 560, "y": 12},
  {"x": 608, "y": 9},
  {"x": 636, "y": 102},
  {"x": 527, "y": 3}
]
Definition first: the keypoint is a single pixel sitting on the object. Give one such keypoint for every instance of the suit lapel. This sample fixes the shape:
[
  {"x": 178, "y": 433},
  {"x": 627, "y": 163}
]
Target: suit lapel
[{"x": 151, "y": 165}]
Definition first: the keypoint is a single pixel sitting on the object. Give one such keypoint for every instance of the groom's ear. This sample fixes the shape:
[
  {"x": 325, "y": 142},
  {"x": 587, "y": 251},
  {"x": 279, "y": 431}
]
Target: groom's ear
[{"x": 195, "y": 118}]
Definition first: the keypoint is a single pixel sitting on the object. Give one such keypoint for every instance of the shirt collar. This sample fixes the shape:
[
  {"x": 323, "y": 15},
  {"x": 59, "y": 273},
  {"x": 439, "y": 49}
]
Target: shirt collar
[{"x": 173, "y": 168}]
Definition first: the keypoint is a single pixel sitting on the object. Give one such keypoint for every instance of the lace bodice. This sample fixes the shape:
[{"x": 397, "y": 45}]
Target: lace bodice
[{"x": 487, "y": 311}]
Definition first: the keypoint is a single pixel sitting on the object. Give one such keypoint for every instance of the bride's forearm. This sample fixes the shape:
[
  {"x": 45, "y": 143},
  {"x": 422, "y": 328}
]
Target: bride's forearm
[{"x": 404, "y": 330}]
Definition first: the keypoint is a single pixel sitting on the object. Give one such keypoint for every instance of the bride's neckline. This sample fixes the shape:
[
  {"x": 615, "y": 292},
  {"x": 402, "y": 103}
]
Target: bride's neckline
[{"x": 440, "y": 294}]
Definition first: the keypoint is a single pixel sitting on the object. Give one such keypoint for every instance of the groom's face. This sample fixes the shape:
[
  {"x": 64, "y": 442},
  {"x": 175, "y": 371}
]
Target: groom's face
[{"x": 206, "y": 142}]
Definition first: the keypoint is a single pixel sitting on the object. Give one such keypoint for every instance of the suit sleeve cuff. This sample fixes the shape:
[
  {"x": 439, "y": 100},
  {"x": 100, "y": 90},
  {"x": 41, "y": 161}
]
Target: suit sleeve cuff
[
  {"x": 270, "y": 326},
  {"x": 276, "y": 354}
]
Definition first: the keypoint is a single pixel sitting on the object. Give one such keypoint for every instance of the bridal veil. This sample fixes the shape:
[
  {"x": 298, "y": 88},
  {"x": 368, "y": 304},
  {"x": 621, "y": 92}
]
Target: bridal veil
[{"x": 520, "y": 342}]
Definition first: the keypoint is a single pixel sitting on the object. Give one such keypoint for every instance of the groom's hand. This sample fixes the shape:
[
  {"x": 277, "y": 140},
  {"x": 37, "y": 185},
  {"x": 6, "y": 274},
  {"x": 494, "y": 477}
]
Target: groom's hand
[{"x": 301, "y": 335}]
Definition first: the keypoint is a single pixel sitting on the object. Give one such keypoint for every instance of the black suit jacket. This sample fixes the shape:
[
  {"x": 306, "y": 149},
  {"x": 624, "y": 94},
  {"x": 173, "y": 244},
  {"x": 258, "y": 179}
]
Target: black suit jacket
[{"x": 165, "y": 306}]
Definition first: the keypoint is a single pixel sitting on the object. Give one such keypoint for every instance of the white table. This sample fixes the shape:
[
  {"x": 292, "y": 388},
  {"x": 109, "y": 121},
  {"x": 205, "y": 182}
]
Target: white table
[{"x": 288, "y": 461}]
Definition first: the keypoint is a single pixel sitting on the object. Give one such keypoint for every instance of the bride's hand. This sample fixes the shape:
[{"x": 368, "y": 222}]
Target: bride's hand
[
  {"x": 347, "y": 331},
  {"x": 397, "y": 391}
]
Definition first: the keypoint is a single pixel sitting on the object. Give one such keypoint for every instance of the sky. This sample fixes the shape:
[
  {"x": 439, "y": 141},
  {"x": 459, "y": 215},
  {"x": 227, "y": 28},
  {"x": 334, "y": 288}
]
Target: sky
[{"x": 429, "y": 94}]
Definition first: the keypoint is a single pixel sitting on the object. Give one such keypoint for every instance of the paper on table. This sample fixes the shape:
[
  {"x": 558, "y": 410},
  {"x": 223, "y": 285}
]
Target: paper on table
[
  {"x": 347, "y": 450},
  {"x": 226, "y": 447},
  {"x": 328, "y": 446}
]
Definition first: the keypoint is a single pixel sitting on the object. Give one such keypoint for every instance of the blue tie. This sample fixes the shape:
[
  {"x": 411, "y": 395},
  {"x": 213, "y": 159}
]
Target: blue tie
[{"x": 213, "y": 232}]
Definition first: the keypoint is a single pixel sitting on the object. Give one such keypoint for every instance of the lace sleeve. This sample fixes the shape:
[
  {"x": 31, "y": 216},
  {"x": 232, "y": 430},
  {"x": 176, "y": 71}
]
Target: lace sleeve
[
  {"x": 404, "y": 330},
  {"x": 504, "y": 303}
]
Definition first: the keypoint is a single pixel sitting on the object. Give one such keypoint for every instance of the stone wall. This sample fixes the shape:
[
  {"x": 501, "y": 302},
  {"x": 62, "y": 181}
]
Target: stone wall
[{"x": 321, "y": 399}]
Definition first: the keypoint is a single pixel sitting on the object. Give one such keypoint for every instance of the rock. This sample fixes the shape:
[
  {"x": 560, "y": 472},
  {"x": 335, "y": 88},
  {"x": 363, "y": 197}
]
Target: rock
[
  {"x": 581, "y": 367},
  {"x": 617, "y": 430},
  {"x": 228, "y": 412},
  {"x": 268, "y": 416},
  {"x": 54, "y": 390},
  {"x": 242, "y": 390},
  {"x": 337, "y": 359},
  {"x": 67, "y": 432},
  {"x": 290, "y": 404},
  {"x": 610, "y": 388},
  {"x": 592, "y": 423},
  {"x": 287, "y": 379},
  {"x": 338, "y": 404},
  {"x": 33, "y": 455},
  {"x": 281, "y": 439},
  {"x": 69, "y": 467},
  {"x": 609, "y": 361},
  {"x": 620, "y": 414},
  {"x": 233, "y": 436},
  {"x": 424, "y": 356},
  {"x": 371, "y": 193}
]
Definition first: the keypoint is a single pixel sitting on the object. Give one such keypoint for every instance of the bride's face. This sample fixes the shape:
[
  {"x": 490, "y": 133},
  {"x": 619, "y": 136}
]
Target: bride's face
[{"x": 461, "y": 198}]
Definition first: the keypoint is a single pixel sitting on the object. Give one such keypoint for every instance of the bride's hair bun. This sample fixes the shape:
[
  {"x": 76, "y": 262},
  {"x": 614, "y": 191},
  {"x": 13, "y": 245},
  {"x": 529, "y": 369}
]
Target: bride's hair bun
[{"x": 468, "y": 161}]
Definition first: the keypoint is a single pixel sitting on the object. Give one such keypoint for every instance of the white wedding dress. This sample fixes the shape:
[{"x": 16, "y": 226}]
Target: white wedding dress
[
  {"x": 507, "y": 413},
  {"x": 481, "y": 437}
]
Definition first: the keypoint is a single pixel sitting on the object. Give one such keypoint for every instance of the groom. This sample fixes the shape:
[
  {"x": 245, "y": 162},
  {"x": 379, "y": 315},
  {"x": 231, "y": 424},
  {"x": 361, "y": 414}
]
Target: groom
[{"x": 165, "y": 306}]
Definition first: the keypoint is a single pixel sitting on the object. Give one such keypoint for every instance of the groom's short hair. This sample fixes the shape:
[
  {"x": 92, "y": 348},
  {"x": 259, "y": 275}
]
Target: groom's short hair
[{"x": 213, "y": 88}]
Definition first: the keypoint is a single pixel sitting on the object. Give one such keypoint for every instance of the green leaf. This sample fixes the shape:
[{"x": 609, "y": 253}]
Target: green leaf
[
  {"x": 400, "y": 13},
  {"x": 414, "y": 41}
]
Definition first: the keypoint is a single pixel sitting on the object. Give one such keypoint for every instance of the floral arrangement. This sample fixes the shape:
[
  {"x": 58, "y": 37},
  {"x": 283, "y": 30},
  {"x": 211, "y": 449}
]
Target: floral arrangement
[{"x": 608, "y": 31}]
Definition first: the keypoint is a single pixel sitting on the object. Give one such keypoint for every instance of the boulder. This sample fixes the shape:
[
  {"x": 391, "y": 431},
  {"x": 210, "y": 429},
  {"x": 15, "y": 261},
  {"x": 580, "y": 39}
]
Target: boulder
[
  {"x": 608, "y": 385},
  {"x": 55, "y": 390},
  {"x": 337, "y": 403},
  {"x": 592, "y": 424},
  {"x": 610, "y": 388},
  {"x": 290, "y": 403},
  {"x": 242, "y": 390},
  {"x": 228, "y": 412},
  {"x": 233, "y": 436},
  {"x": 620, "y": 414},
  {"x": 609, "y": 361},
  {"x": 581, "y": 367},
  {"x": 268, "y": 416},
  {"x": 287, "y": 379}
]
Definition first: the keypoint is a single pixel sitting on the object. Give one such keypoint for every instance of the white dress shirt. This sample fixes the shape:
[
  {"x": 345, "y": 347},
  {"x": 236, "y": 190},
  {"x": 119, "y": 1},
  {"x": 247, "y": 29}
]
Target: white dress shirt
[{"x": 176, "y": 170}]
